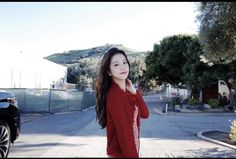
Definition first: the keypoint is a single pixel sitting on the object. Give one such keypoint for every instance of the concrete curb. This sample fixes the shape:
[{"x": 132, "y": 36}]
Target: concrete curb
[
  {"x": 199, "y": 134},
  {"x": 200, "y": 113},
  {"x": 25, "y": 118}
]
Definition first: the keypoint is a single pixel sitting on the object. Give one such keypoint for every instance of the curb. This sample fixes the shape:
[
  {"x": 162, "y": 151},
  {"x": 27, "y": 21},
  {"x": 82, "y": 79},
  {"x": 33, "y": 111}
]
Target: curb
[
  {"x": 25, "y": 118},
  {"x": 199, "y": 134},
  {"x": 200, "y": 113}
]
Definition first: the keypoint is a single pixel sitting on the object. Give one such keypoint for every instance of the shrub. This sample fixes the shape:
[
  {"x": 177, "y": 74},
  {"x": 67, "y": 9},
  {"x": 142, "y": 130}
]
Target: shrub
[
  {"x": 175, "y": 101},
  {"x": 193, "y": 101},
  {"x": 214, "y": 103},
  {"x": 232, "y": 134}
]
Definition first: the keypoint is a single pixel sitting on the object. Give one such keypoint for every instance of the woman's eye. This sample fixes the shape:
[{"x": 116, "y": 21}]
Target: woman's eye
[
  {"x": 125, "y": 62},
  {"x": 116, "y": 64}
]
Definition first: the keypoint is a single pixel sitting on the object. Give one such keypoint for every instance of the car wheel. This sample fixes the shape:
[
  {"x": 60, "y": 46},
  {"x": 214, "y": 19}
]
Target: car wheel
[{"x": 5, "y": 139}]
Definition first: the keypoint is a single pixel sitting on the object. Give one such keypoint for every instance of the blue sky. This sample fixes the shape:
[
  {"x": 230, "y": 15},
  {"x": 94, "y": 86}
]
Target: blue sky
[{"x": 43, "y": 28}]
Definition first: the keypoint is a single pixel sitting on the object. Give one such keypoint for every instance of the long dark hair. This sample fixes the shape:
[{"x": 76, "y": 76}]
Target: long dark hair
[{"x": 103, "y": 83}]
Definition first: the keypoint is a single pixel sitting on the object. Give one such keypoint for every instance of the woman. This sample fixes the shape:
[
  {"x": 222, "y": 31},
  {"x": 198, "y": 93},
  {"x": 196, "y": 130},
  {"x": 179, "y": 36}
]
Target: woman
[{"x": 119, "y": 106}]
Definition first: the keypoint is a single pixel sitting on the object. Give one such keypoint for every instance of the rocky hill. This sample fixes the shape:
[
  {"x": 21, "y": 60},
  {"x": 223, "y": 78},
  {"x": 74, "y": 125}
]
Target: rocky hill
[{"x": 73, "y": 56}]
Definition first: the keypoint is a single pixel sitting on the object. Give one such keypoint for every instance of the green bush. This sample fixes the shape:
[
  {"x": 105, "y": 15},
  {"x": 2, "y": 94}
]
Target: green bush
[
  {"x": 214, "y": 103},
  {"x": 232, "y": 134},
  {"x": 193, "y": 101},
  {"x": 175, "y": 101}
]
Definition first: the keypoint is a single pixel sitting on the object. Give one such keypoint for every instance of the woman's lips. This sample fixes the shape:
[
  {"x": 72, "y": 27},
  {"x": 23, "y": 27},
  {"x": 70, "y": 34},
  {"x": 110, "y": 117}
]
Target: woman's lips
[{"x": 123, "y": 72}]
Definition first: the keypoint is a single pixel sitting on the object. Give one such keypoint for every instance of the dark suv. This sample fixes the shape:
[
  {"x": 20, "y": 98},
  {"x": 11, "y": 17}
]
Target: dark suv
[{"x": 9, "y": 122}]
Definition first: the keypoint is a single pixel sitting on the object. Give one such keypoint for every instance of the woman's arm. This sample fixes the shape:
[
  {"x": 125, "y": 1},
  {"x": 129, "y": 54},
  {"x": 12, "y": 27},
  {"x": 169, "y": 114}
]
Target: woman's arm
[
  {"x": 3, "y": 100},
  {"x": 144, "y": 112}
]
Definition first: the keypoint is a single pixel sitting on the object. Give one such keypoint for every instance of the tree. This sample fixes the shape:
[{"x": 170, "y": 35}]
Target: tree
[
  {"x": 137, "y": 67},
  {"x": 194, "y": 68},
  {"x": 71, "y": 74},
  {"x": 83, "y": 73},
  {"x": 217, "y": 30},
  {"x": 165, "y": 63},
  {"x": 217, "y": 33},
  {"x": 178, "y": 60},
  {"x": 150, "y": 61}
]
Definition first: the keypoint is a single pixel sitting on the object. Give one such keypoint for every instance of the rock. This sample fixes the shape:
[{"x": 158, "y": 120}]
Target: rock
[{"x": 206, "y": 106}]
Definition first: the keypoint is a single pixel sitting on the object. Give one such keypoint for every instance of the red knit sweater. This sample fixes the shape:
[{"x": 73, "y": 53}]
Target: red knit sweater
[{"x": 121, "y": 118}]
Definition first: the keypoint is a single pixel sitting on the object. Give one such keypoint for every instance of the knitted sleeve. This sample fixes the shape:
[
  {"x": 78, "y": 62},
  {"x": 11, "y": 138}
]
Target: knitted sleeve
[
  {"x": 144, "y": 112},
  {"x": 3, "y": 100},
  {"x": 121, "y": 115}
]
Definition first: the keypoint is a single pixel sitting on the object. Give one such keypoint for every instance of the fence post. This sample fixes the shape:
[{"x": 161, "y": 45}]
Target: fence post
[
  {"x": 166, "y": 108},
  {"x": 49, "y": 101},
  {"x": 24, "y": 98},
  {"x": 83, "y": 100},
  {"x": 68, "y": 101}
]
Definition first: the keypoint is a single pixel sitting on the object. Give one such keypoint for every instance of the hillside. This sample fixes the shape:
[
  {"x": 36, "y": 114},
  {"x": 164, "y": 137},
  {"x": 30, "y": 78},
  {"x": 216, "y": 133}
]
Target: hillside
[{"x": 73, "y": 56}]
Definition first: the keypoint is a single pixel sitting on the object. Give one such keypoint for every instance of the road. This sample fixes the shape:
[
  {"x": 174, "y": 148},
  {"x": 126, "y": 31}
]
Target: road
[{"x": 77, "y": 134}]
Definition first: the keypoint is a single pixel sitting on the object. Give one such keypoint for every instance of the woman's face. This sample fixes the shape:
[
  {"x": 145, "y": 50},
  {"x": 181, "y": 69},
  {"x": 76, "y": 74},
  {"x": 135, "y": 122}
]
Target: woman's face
[{"x": 119, "y": 67}]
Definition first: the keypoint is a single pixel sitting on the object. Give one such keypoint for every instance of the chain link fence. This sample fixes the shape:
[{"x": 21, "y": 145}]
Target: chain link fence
[{"x": 52, "y": 100}]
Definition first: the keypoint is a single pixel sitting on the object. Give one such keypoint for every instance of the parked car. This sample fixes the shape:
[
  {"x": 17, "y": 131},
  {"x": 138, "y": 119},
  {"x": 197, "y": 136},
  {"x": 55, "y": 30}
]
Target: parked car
[{"x": 9, "y": 122}]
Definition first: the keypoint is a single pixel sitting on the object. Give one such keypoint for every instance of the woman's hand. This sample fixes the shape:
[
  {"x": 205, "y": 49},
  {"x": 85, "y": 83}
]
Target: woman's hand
[
  {"x": 11, "y": 100},
  {"x": 130, "y": 86}
]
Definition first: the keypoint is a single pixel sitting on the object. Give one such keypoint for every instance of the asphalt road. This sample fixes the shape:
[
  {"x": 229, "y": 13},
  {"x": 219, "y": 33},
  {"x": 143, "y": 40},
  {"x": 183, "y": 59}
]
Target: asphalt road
[{"x": 77, "y": 134}]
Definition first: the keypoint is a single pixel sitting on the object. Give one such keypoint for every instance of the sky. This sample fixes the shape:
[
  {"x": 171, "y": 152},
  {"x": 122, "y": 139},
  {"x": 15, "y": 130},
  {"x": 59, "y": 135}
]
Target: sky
[{"x": 39, "y": 29}]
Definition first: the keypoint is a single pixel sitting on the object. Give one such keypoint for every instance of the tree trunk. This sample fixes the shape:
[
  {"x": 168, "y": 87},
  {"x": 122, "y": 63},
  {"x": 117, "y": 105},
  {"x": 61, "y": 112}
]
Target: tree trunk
[
  {"x": 195, "y": 93},
  {"x": 232, "y": 91},
  {"x": 233, "y": 101}
]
